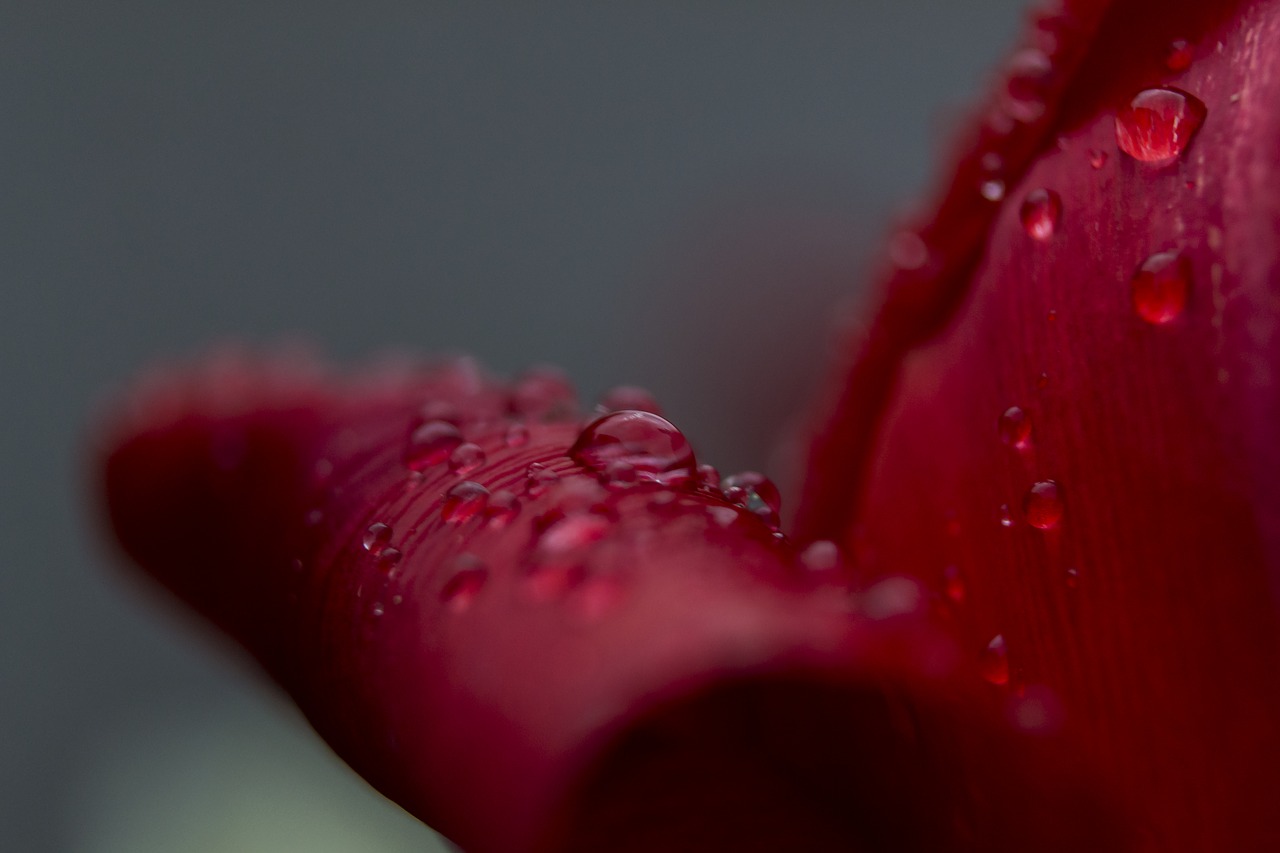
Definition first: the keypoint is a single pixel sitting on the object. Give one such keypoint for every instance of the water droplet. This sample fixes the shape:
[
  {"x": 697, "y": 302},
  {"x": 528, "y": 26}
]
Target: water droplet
[
  {"x": 463, "y": 502},
  {"x": 1005, "y": 515},
  {"x": 1036, "y": 710},
  {"x": 1072, "y": 577},
  {"x": 953, "y": 584},
  {"x": 755, "y": 492},
  {"x": 388, "y": 559},
  {"x": 1042, "y": 381},
  {"x": 377, "y": 609},
  {"x": 538, "y": 478},
  {"x": 376, "y": 538},
  {"x": 1097, "y": 158},
  {"x": 1028, "y": 74},
  {"x": 1041, "y": 210},
  {"x": 629, "y": 397},
  {"x": 431, "y": 444},
  {"x": 466, "y": 457},
  {"x": 1015, "y": 427},
  {"x": 544, "y": 393},
  {"x": 820, "y": 556},
  {"x": 908, "y": 251},
  {"x": 1178, "y": 55},
  {"x": 468, "y": 579},
  {"x": 893, "y": 596},
  {"x": 708, "y": 477},
  {"x": 992, "y": 190},
  {"x": 502, "y": 509},
  {"x": 1160, "y": 287},
  {"x": 1156, "y": 126},
  {"x": 994, "y": 663},
  {"x": 643, "y": 440},
  {"x": 1043, "y": 505},
  {"x": 517, "y": 435}
]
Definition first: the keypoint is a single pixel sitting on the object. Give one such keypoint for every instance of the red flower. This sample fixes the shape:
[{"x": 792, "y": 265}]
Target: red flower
[{"x": 1050, "y": 465}]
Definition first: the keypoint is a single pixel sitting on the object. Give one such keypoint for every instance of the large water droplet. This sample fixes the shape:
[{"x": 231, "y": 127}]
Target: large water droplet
[
  {"x": 376, "y": 537},
  {"x": 468, "y": 579},
  {"x": 1156, "y": 126},
  {"x": 754, "y": 492},
  {"x": 466, "y": 457},
  {"x": 1041, "y": 210},
  {"x": 431, "y": 444},
  {"x": 463, "y": 502},
  {"x": 1160, "y": 287},
  {"x": 1015, "y": 427},
  {"x": 994, "y": 663},
  {"x": 1043, "y": 505},
  {"x": 645, "y": 441},
  {"x": 629, "y": 397},
  {"x": 502, "y": 509}
]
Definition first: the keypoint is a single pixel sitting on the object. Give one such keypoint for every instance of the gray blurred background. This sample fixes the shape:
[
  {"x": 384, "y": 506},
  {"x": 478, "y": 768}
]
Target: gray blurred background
[{"x": 676, "y": 195}]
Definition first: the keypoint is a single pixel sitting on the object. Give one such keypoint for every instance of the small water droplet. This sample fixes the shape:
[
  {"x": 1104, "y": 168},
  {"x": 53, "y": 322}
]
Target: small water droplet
[
  {"x": 619, "y": 474},
  {"x": 388, "y": 558},
  {"x": 464, "y": 584},
  {"x": 1041, "y": 210},
  {"x": 376, "y": 538},
  {"x": 1097, "y": 158},
  {"x": 953, "y": 584},
  {"x": 1042, "y": 381},
  {"x": 431, "y": 444},
  {"x": 466, "y": 457},
  {"x": 708, "y": 477},
  {"x": 1178, "y": 55},
  {"x": 463, "y": 502},
  {"x": 1160, "y": 287},
  {"x": 1072, "y": 577},
  {"x": 647, "y": 442},
  {"x": 820, "y": 556},
  {"x": 992, "y": 190},
  {"x": 1156, "y": 126},
  {"x": 994, "y": 663},
  {"x": 1015, "y": 427},
  {"x": 502, "y": 509},
  {"x": 574, "y": 532},
  {"x": 1043, "y": 505},
  {"x": 629, "y": 397},
  {"x": 1005, "y": 516},
  {"x": 538, "y": 478},
  {"x": 517, "y": 435},
  {"x": 377, "y": 609},
  {"x": 756, "y": 493}
]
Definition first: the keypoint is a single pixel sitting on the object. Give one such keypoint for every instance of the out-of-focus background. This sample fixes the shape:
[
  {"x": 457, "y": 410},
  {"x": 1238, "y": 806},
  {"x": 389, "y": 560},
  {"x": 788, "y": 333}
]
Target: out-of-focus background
[{"x": 673, "y": 194}]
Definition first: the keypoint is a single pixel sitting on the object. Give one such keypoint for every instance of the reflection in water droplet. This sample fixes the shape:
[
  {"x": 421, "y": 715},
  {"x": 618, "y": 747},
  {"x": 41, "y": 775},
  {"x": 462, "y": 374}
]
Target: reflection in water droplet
[
  {"x": 376, "y": 538},
  {"x": 629, "y": 397},
  {"x": 1156, "y": 126},
  {"x": 463, "y": 502},
  {"x": 466, "y": 457},
  {"x": 994, "y": 663},
  {"x": 1043, "y": 505},
  {"x": 502, "y": 509},
  {"x": 468, "y": 579},
  {"x": 1015, "y": 427},
  {"x": 648, "y": 443},
  {"x": 1040, "y": 213},
  {"x": 1160, "y": 287},
  {"x": 431, "y": 444}
]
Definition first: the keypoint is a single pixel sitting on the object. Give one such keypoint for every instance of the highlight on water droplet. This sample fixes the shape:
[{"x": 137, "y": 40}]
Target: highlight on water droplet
[
  {"x": 466, "y": 457},
  {"x": 1040, "y": 213},
  {"x": 1157, "y": 125},
  {"x": 756, "y": 493},
  {"x": 1160, "y": 287},
  {"x": 1043, "y": 505},
  {"x": 1178, "y": 55},
  {"x": 648, "y": 443},
  {"x": 431, "y": 444},
  {"x": 376, "y": 537},
  {"x": 629, "y": 397},
  {"x": 468, "y": 577},
  {"x": 502, "y": 508},
  {"x": 463, "y": 502},
  {"x": 1014, "y": 427},
  {"x": 994, "y": 662}
]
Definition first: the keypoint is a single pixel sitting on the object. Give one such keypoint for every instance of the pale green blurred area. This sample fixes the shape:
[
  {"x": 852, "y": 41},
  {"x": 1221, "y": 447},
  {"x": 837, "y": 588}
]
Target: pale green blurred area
[{"x": 245, "y": 776}]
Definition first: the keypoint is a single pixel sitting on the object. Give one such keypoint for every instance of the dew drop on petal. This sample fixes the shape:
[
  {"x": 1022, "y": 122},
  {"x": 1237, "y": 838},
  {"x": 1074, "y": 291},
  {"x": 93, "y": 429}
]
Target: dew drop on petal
[
  {"x": 1040, "y": 213},
  {"x": 538, "y": 478},
  {"x": 647, "y": 442},
  {"x": 820, "y": 556},
  {"x": 1072, "y": 577},
  {"x": 1160, "y": 287},
  {"x": 468, "y": 578},
  {"x": 994, "y": 663},
  {"x": 1097, "y": 158},
  {"x": 752, "y": 489},
  {"x": 376, "y": 538},
  {"x": 463, "y": 502},
  {"x": 708, "y": 476},
  {"x": 1178, "y": 55},
  {"x": 1014, "y": 427},
  {"x": 1043, "y": 505},
  {"x": 430, "y": 444},
  {"x": 466, "y": 457},
  {"x": 624, "y": 397},
  {"x": 953, "y": 584},
  {"x": 517, "y": 435},
  {"x": 502, "y": 509},
  {"x": 1005, "y": 516},
  {"x": 388, "y": 559},
  {"x": 1156, "y": 126}
]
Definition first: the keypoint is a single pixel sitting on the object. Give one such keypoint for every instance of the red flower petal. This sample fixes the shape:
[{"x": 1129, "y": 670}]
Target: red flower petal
[
  {"x": 1147, "y": 603},
  {"x": 590, "y": 669}
]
